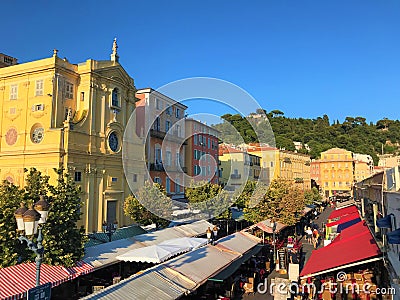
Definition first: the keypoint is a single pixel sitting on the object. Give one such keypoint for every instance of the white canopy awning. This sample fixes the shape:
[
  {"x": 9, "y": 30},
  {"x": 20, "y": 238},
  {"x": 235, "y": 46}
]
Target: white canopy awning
[
  {"x": 102, "y": 255},
  {"x": 153, "y": 254},
  {"x": 186, "y": 242}
]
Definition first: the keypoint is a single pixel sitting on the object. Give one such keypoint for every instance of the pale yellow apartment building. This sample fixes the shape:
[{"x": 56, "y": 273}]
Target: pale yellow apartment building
[
  {"x": 336, "y": 171},
  {"x": 285, "y": 164},
  {"x": 237, "y": 167},
  {"x": 54, "y": 113}
]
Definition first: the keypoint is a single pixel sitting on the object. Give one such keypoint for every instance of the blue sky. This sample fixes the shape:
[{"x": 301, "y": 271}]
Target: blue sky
[{"x": 305, "y": 58}]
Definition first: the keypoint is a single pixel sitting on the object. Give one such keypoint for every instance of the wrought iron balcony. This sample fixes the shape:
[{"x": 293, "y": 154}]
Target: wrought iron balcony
[{"x": 157, "y": 167}]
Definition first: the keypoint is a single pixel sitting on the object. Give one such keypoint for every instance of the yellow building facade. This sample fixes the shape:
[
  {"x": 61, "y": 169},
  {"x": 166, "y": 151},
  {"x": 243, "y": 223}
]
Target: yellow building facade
[
  {"x": 269, "y": 158},
  {"x": 276, "y": 163},
  {"x": 336, "y": 171},
  {"x": 57, "y": 114},
  {"x": 237, "y": 167},
  {"x": 295, "y": 167}
]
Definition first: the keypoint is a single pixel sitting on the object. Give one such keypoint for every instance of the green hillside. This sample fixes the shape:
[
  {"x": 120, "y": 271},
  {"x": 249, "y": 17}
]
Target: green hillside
[{"x": 320, "y": 134}]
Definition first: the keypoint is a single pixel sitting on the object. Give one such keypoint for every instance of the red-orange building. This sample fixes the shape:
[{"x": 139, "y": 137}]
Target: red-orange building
[
  {"x": 201, "y": 158},
  {"x": 161, "y": 121}
]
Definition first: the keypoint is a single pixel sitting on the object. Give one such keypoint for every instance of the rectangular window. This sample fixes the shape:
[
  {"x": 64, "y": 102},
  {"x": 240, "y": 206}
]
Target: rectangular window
[
  {"x": 195, "y": 139},
  {"x": 157, "y": 124},
  {"x": 203, "y": 171},
  {"x": 157, "y": 155},
  {"x": 38, "y": 107},
  {"x": 178, "y": 113},
  {"x": 169, "y": 110},
  {"x": 39, "y": 88},
  {"x": 69, "y": 90},
  {"x": 13, "y": 110},
  {"x": 178, "y": 159},
  {"x": 134, "y": 177},
  {"x": 168, "y": 185},
  {"x": 114, "y": 179},
  {"x": 209, "y": 143},
  {"x": 13, "y": 92},
  {"x": 167, "y": 125},
  {"x": 177, "y": 186},
  {"x": 82, "y": 96},
  {"x": 158, "y": 104},
  {"x": 168, "y": 158},
  {"x": 78, "y": 176}
]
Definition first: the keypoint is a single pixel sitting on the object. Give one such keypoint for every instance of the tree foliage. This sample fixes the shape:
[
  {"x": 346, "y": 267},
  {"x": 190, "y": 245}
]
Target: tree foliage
[
  {"x": 353, "y": 134},
  {"x": 154, "y": 206},
  {"x": 209, "y": 198},
  {"x": 312, "y": 195},
  {"x": 282, "y": 201},
  {"x": 10, "y": 248},
  {"x": 63, "y": 241}
]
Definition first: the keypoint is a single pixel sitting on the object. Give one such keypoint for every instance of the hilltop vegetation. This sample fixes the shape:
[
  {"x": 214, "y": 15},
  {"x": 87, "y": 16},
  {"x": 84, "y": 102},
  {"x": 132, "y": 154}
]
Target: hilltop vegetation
[{"x": 320, "y": 134}]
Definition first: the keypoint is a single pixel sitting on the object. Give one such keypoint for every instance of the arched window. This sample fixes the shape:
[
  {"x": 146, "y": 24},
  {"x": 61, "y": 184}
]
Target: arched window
[{"x": 114, "y": 98}]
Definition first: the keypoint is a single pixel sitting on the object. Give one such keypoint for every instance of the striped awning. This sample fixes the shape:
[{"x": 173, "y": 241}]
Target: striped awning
[
  {"x": 81, "y": 268},
  {"x": 15, "y": 281}
]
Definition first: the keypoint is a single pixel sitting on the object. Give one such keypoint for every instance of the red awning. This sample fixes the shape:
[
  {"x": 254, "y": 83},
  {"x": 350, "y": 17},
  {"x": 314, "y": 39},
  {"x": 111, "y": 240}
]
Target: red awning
[
  {"x": 344, "y": 219},
  {"x": 355, "y": 245},
  {"x": 15, "y": 281},
  {"x": 81, "y": 268},
  {"x": 343, "y": 212}
]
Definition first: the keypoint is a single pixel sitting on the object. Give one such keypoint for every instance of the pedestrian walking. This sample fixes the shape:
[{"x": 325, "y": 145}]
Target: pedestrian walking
[
  {"x": 309, "y": 234},
  {"x": 315, "y": 235}
]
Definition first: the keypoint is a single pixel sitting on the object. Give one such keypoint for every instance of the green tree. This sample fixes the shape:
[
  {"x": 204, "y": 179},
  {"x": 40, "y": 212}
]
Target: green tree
[
  {"x": 291, "y": 205},
  {"x": 312, "y": 195},
  {"x": 282, "y": 202},
  {"x": 36, "y": 184},
  {"x": 63, "y": 240},
  {"x": 154, "y": 206},
  {"x": 10, "y": 248},
  {"x": 211, "y": 199}
]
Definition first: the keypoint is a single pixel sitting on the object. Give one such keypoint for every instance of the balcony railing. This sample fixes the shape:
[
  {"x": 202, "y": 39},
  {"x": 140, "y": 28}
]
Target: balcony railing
[
  {"x": 157, "y": 167},
  {"x": 169, "y": 137},
  {"x": 157, "y": 133},
  {"x": 236, "y": 176}
]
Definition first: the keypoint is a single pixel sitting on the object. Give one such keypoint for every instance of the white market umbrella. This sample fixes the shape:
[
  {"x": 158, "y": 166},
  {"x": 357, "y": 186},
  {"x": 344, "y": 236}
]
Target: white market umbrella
[
  {"x": 186, "y": 242},
  {"x": 152, "y": 254}
]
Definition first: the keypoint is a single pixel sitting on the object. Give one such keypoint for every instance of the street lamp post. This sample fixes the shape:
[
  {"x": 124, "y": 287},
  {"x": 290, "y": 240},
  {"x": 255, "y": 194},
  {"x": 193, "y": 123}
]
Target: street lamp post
[
  {"x": 273, "y": 225},
  {"x": 29, "y": 223},
  {"x": 110, "y": 229}
]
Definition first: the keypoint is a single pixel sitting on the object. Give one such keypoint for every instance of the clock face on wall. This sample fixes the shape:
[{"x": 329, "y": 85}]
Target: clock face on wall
[
  {"x": 37, "y": 135},
  {"x": 11, "y": 136},
  {"x": 113, "y": 141}
]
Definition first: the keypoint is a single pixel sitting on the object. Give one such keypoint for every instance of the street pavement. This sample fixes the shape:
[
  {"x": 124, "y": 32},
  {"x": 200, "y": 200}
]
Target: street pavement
[{"x": 307, "y": 250}]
